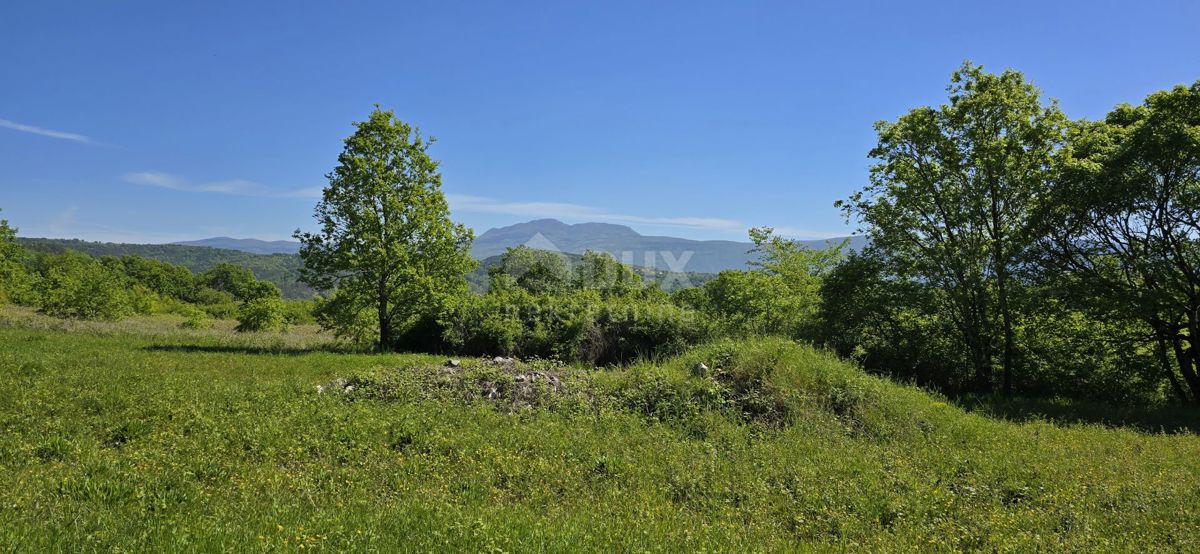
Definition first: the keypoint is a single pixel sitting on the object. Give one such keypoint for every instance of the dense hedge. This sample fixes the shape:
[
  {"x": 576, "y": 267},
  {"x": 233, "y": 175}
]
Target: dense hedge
[{"x": 576, "y": 326}]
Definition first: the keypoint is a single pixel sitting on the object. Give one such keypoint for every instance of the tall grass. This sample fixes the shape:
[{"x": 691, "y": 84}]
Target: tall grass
[{"x": 135, "y": 440}]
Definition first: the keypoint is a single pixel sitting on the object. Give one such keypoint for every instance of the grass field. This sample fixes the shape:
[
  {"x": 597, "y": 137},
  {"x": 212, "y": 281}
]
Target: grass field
[{"x": 138, "y": 437}]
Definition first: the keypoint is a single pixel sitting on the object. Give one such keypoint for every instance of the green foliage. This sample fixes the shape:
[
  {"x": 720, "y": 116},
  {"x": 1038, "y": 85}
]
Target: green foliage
[
  {"x": 195, "y": 318},
  {"x": 951, "y": 204},
  {"x": 1125, "y": 226},
  {"x": 162, "y": 278},
  {"x": 16, "y": 284},
  {"x": 281, "y": 269},
  {"x": 386, "y": 239},
  {"x": 238, "y": 282},
  {"x": 349, "y": 316},
  {"x": 536, "y": 271},
  {"x": 600, "y": 271},
  {"x": 262, "y": 314},
  {"x": 779, "y": 295},
  {"x": 77, "y": 285},
  {"x": 300, "y": 312},
  {"x": 578, "y": 326}
]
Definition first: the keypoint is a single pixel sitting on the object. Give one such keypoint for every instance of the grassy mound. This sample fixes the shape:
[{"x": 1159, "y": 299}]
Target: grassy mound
[{"x": 132, "y": 441}]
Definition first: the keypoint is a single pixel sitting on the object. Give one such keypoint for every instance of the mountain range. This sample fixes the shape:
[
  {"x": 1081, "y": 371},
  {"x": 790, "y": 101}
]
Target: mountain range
[
  {"x": 253, "y": 246},
  {"x": 626, "y": 244}
]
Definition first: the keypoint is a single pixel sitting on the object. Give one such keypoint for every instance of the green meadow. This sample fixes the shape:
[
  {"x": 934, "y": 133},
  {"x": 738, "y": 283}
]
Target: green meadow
[{"x": 135, "y": 436}]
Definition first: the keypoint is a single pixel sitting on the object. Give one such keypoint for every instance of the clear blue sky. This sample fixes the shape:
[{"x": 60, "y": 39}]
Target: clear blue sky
[{"x": 161, "y": 121}]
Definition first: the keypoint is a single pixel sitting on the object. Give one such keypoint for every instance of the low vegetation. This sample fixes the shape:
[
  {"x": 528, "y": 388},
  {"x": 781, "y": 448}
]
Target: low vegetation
[{"x": 119, "y": 439}]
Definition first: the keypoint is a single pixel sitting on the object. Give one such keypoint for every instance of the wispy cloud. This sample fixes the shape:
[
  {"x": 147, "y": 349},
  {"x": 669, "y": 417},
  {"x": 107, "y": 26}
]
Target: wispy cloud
[
  {"x": 239, "y": 187},
  {"x": 44, "y": 132},
  {"x": 558, "y": 210},
  {"x": 796, "y": 232},
  {"x": 479, "y": 204}
]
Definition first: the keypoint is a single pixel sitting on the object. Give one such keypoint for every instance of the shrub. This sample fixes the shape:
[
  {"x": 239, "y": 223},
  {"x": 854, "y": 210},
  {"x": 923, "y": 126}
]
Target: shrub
[
  {"x": 262, "y": 314},
  {"x": 195, "y": 318},
  {"x": 299, "y": 312},
  {"x": 579, "y": 326},
  {"x": 77, "y": 285},
  {"x": 226, "y": 310},
  {"x": 348, "y": 317},
  {"x": 16, "y": 284}
]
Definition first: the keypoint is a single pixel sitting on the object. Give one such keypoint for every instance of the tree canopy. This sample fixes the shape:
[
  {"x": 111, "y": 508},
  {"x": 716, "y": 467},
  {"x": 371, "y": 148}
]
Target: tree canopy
[
  {"x": 951, "y": 199},
  {"x": 385, "y": 238}
]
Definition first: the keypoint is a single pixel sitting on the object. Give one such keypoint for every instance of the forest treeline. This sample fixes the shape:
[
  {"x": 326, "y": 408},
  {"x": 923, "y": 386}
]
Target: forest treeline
[
  {"x": 281, "y": 269},
  {"x": 1013, "y": 251}
]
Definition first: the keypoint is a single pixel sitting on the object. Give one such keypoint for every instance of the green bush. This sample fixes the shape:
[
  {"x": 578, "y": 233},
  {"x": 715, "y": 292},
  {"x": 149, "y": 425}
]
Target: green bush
[
  {"x": 299, "y": 312},
  {"x": 348, "y": 317},
  {"x": 195, "y": 318},
  {"x": 16, "y": 283},
  {"x": 578, "y": 326},
  {"x": 76, "y": 285},
  {"x": 262, "y": 314}
]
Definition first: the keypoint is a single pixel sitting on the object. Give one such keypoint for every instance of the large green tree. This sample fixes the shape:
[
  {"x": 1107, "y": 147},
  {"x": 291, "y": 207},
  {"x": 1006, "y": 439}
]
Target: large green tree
[
  {"x": 386, "y": 242},
  {"x": 1126, "y": 211},
  {"x": 537, "y": 271},
  {"x": 951, "y": 199}
]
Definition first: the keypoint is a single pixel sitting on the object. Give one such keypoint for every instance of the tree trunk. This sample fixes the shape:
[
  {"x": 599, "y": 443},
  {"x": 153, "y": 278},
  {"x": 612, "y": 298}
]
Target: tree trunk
[
  {"x": 979, "y": 341},
  {"x": 1183, "y": 356},
  {"x": 1165, "y": 362},
  {"x": 1000, "y": 267},
  {"x": 385, "y": 323},
  {"x": 1006, "y": 317}
]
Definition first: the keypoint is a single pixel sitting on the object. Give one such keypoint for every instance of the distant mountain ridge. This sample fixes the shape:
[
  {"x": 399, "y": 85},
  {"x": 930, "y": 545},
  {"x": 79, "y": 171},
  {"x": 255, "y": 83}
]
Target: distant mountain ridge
[
  {"x": 624, "y": 243},
  {"x": 627, "y": 245},
  {"x": 253, "y": 246}
]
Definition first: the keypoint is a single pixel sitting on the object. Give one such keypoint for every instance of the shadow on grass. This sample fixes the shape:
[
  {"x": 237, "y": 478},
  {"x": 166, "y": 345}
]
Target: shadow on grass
[
  {"x": 278, "y": 350},
  {"x": 1162, "y": 419}
]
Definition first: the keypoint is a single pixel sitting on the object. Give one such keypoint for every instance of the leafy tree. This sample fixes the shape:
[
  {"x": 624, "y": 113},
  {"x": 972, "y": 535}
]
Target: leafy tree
[
  {"x": 537, "y": 271},
  {"x": 77, "y": 285},
  {"x": 778, "y": 294},
  {"x": 386, "y": 241},
  {"x": 753, "y": 302},
  {"x": 238, "y": 281},
  {"x": 15, "y": 281},
  {"x": 951, "y": 199},
  {"x": 801, "y": 268},
  {"x": 602, "y": 272},
  {"x": 166, "y": 279},
  {"x": 1127, "y": 224}
]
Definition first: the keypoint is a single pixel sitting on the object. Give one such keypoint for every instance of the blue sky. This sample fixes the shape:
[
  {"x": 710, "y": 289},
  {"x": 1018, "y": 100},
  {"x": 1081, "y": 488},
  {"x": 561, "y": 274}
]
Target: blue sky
[{"x": 162, "y": 121}]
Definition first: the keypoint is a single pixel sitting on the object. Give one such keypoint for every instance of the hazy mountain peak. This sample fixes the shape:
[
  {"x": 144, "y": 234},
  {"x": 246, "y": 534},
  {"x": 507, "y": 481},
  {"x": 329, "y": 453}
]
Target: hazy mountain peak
[
  {"x": 623, "y": 242},
  {"x": 254, "y": 246}
]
